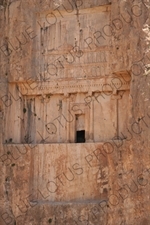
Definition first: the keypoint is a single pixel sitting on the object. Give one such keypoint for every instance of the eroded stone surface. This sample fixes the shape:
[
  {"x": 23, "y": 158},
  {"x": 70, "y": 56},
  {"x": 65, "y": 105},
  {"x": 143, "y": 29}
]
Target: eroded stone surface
[{"x": 74, "y": 71}]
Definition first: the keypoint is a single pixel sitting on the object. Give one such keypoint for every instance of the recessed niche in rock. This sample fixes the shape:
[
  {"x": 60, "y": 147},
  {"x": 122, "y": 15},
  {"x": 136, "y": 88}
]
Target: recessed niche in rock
[
  {"x": 53, "y": 112},
  {"x": 74, "y": 126},
  {"x": 72, "y": 88}
]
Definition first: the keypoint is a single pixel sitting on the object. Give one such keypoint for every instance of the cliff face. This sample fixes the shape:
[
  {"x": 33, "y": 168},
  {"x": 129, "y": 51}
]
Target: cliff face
[{"x": 74, "y": 112}]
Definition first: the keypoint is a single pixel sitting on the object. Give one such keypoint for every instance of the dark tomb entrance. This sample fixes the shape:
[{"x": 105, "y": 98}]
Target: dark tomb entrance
[
  {"x": 80, "y": 128},
  {"x": 80, "y": 136}
]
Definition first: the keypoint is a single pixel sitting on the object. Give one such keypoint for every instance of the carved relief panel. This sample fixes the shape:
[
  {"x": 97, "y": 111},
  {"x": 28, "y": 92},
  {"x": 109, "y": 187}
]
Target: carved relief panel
[
  {"x": 71, "y": 44},
  {"x": 75, "y": 92}
]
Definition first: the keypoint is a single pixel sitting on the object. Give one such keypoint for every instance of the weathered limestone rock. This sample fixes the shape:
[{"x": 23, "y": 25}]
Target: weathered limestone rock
[{"x": 74, "y": 112}]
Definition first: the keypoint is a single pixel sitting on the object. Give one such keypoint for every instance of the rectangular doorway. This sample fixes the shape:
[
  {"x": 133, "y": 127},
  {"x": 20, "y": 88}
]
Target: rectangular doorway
[
  {"x": 80, "y": 128},
  {"x": 80, "y": 136}
]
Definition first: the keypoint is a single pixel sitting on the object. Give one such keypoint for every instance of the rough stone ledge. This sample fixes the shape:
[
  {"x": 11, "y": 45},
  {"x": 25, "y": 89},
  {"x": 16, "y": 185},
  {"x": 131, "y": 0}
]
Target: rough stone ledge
[{"x": 81, "y": 202}]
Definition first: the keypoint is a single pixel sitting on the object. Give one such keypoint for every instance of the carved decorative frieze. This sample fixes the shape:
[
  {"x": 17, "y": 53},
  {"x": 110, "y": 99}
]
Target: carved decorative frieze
[{"x": 105, "y": 84}]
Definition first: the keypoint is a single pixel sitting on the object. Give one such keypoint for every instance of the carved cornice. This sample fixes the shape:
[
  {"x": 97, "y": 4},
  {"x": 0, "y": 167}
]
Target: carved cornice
[{"x": 105, "y": 84}]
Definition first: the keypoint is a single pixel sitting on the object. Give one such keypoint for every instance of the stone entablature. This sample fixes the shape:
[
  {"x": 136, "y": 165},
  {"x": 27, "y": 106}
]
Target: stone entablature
[{"x": 110, "y": 84}]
